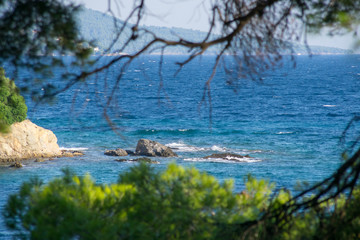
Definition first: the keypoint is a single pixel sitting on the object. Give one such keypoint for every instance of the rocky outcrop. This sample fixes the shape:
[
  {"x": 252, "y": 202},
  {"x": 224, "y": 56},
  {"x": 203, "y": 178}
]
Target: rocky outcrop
[
  {"x": 227, "y": 156},
  {"x": 27, "y": 140},
  {"x": 117, "y": 152},
  {"x": 150, "y": 148}
]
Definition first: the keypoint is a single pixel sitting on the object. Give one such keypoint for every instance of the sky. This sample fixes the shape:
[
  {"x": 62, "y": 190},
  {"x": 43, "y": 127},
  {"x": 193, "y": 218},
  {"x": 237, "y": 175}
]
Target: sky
[{"x": 191, "y": 14}]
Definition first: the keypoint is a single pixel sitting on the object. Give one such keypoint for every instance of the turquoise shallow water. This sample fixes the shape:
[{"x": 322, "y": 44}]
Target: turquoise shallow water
[{"x": 289, "y": 124}]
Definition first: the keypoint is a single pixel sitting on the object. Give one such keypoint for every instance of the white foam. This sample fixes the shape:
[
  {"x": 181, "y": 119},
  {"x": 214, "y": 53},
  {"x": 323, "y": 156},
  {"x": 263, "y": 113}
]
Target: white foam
[
  {"x": 222, "y": 160},
  {"x": 219, "y": 149},
  {"x": 183, "y": 130},
  {"x": 74, "y": 148},
  {"x": 281, "y": 133},
  {"x": 329, "y": 105},
  {"x": 247, "y": 152},
  {"x": 181, "y": 147}
]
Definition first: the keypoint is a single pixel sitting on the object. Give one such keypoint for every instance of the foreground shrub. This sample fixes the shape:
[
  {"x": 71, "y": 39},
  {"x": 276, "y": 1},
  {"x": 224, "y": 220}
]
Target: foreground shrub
[
  {"x": 12, "y": 104},
  {"x": 175, "y": 204}
]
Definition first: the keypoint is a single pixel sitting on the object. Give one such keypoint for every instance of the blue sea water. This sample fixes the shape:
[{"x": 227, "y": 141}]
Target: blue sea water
[{"x": 289, "y": 123}]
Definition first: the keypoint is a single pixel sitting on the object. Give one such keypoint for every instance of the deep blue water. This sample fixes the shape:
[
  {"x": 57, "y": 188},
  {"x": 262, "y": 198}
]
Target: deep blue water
[{"x": 289, "y": 123}]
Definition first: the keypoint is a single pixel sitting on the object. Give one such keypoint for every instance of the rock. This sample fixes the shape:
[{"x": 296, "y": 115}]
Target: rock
[
  {"x": 150, "y": 148},
  {"x": 16, "y": 165},
  {"x": 69, "y": 153},
  {"x": 77, "y": 153},
  {"x": 27, "y": 140},
  {"x": 227, "y": 156},
  {"x": 122, "y": 160},
  {"x": 131, "y": 153},
  {"x": 143, "y": 159},
  {"x": 117, "y": 152},
  {"x": 147, "y": 160}
]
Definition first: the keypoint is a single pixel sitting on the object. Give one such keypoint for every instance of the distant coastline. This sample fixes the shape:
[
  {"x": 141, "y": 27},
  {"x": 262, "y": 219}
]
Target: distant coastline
[{"x": 213, "y": 54}]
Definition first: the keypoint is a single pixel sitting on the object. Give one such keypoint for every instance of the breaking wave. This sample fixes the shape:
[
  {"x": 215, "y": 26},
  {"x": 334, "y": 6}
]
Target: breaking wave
[{"x": 224, "y": 160}]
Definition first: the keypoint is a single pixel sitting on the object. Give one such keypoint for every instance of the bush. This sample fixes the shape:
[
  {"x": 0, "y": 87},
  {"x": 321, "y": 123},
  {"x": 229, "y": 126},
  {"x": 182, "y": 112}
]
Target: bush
[
  {"x": 12, "y": 104},
  {"x": 175, "y": 204}
]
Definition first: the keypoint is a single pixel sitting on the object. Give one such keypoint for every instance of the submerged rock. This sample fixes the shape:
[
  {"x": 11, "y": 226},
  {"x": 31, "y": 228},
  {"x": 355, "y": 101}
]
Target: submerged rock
[
  {"x": 147, "y": 160},
  {"x": 227, "y": 156},
  {"x": 122, "y": 160},
  {"x": 143, "y": 159},
  {"x": 69, "y": 153},
  {"x": 117, "y": 152},
  {"x": 16, "y": 165},
  {"x": 150, "y": 148}
]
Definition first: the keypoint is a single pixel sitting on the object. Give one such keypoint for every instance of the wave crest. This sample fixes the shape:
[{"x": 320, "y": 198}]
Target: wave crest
[
  {"x": 222, "y": 160},
  {"x": 74, "y": 148}
]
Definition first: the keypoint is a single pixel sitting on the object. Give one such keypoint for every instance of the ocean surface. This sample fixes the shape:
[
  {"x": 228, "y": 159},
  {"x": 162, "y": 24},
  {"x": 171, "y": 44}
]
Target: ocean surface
[{"x": 289, "y": 123}]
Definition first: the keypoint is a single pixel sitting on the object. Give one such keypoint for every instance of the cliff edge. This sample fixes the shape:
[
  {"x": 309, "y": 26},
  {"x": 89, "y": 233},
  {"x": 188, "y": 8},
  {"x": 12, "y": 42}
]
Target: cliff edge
[{"x": 27, "y": 140}]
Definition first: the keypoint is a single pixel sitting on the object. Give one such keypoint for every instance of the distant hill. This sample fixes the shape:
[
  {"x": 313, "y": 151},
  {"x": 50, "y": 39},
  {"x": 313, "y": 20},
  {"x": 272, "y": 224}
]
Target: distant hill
[{"x": 99, "y": 27}]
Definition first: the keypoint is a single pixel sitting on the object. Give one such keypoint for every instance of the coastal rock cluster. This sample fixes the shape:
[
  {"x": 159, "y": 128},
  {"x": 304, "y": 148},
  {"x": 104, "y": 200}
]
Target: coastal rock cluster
[
  {"x": 151, "y": 148},
  {"x": 144, "y": 147}
]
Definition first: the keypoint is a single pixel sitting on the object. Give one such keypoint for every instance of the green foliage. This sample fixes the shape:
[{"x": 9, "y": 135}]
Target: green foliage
[
  {"x": 12, "y": 104},
  {"x": 177, "y": 203},
  {"x": 37, "y": 28},
  {"x": 339, "y": 16},
  {"x": 35, "y": 35}
]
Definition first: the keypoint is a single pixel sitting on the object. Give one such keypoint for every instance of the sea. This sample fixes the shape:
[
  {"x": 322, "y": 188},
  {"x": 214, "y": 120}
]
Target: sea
[{"x": 289, "y": 120}]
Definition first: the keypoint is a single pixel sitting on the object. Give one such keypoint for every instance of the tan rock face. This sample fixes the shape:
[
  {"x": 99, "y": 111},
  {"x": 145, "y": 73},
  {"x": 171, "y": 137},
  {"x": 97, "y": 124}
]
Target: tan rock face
[{"x": 27, "y": 140}]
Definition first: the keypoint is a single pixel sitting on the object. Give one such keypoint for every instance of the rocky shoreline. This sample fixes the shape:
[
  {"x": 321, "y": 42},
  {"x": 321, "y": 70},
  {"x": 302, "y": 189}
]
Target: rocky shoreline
[
  {"x": 29, "y": 142},
  {"x": 17, "y": 163}
]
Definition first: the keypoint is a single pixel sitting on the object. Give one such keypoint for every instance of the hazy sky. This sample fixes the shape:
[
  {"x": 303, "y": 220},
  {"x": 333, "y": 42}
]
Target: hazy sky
[{"x": 189, "y": 14}]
